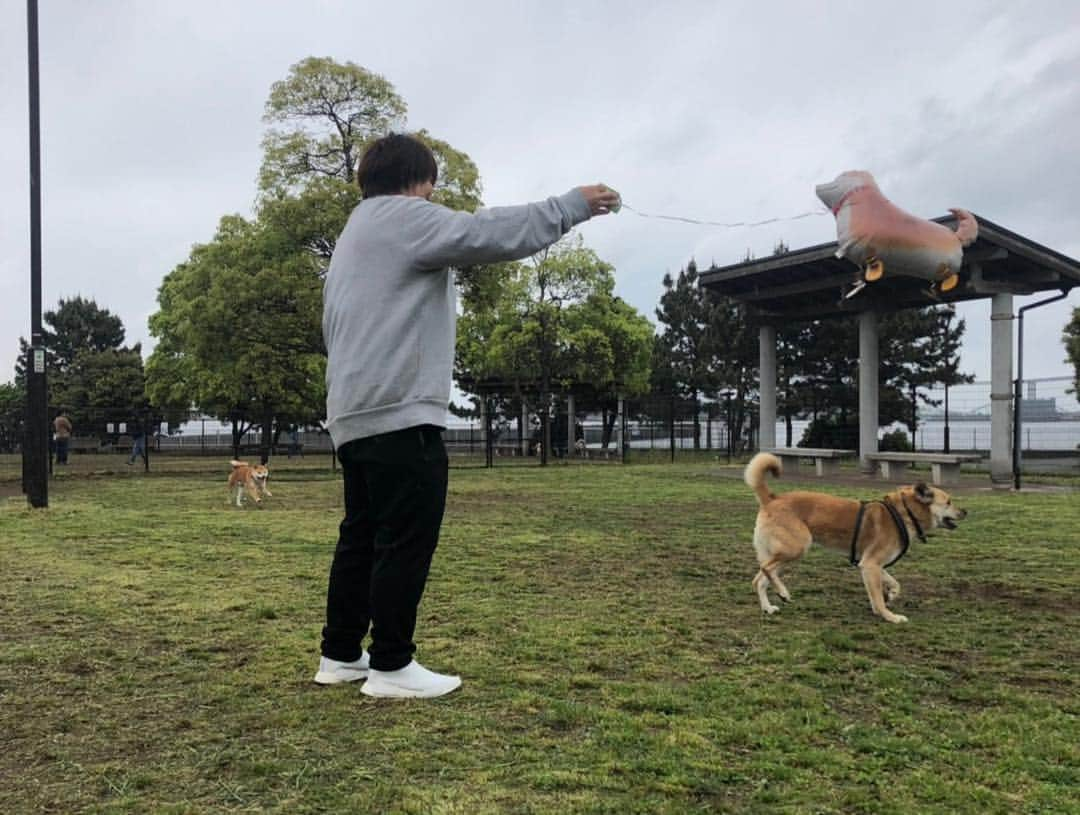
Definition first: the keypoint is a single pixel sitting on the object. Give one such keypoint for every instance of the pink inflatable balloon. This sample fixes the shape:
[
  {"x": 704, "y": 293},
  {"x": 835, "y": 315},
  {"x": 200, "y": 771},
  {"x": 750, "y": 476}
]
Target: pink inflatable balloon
[{"x": 882, "y": 239}]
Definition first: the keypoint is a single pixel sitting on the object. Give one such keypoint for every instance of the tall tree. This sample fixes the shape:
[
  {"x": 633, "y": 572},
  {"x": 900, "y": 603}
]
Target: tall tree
[
  {"x": 695, "y": 329},
  {"x": 239, "y": 325},
  {"x": 792, "y": 342},
  {"x": 12, "y": 415},
  {"x": 552, "y": 324},
  {"x": 609, "y": 355},
  {"x": 77, "y": 324},
  {"x": 313, "y": 208},
  {"x": 1071, "y": 338},
  {"x": 321, "y": 115},
  {"x": 916, "y": 349},
  {"x": 102, "y": 387},
  {"x": 239, "y": 330},
  {"x": 919, "y": 349}
]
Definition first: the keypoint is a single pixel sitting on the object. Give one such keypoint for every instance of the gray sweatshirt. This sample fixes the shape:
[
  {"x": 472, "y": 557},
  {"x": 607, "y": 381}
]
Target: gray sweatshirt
[{"x": 389, "y": 304}]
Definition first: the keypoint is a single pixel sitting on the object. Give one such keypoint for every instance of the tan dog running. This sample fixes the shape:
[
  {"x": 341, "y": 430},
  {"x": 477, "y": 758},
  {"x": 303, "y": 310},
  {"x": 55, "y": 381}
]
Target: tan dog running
[
  {"x": 874, "y": 535},
  {"x": 248, "y": 478}
]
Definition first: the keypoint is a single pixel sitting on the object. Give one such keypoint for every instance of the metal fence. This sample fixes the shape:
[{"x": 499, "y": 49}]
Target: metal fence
[{"x": 652, "y": 428}]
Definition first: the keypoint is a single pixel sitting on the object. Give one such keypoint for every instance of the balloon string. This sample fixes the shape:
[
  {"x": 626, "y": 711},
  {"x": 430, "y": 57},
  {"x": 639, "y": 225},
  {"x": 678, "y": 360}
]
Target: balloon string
[{"x": 720, "y": 224}]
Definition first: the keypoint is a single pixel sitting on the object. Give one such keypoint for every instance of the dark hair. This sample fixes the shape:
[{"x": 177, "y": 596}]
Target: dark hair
[{"x": 393, "y": 164}]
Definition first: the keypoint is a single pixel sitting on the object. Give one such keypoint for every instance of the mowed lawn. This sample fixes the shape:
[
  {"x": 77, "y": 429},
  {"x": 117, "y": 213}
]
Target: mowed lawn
[{"x": 157, "y": 649}]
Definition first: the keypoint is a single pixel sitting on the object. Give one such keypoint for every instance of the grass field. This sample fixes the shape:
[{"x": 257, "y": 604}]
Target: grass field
[{"x": 157, "y": 648}]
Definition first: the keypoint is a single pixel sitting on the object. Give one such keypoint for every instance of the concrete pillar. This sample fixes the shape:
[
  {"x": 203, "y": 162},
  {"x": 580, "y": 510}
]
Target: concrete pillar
[
  {"x": 1001, "y": 395},
  {"x": 868, "y": 389},
  {"x": 767, "y": 386}
]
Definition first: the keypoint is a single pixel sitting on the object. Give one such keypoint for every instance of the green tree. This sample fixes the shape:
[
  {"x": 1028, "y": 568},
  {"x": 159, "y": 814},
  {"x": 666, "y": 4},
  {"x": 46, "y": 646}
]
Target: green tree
[
  {"x": 90, "y": 372},
  {"x": 610, "y": 356},
  {"x": 239, "y": 324},
  {"x": 312, "y": 218},
  {"x": 102, "y": 387},
  {"x": 239, "y": 330},
  {"x": 321, "y": 115},
  {"x": 76, "y": 325},
  {"x": 313, "y": 210},
  {"x": 551, "y": 324},
  {"x": 917, "y": 348},
  {"x": 1071, "y": 338},
  {"x": 12, "y": 416},
  {"x": 792, "y": 342},
  {"x": 687, "y": 353}
]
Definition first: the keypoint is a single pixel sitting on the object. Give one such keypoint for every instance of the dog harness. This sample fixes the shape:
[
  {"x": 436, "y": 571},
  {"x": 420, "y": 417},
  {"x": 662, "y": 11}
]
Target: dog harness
[{"x": 901, "y": 527}]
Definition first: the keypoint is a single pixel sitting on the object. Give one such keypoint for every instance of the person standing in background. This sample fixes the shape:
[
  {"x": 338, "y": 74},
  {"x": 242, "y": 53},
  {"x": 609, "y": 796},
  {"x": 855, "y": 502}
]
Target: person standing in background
[{"x": 62, "y": 436}]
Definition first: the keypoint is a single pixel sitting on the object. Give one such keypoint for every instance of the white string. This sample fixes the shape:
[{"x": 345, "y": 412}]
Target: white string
[{"x": 718, "y": 223}]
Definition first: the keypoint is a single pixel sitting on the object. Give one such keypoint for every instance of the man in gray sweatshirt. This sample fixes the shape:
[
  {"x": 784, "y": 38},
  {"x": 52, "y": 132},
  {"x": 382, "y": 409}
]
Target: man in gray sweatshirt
[{"x": 389, "y": 321}]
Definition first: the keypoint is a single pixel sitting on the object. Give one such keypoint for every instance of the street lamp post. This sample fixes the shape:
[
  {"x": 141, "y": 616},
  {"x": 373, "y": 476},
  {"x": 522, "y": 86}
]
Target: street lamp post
[
  {"x": 35, "y": 452},
  {"x": 946, "y": 416},
  {"x": 727, "y": 409}
]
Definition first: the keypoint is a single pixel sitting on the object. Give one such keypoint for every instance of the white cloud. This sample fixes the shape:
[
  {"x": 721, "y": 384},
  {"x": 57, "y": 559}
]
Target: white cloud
[{"x": 724, "y": 112}]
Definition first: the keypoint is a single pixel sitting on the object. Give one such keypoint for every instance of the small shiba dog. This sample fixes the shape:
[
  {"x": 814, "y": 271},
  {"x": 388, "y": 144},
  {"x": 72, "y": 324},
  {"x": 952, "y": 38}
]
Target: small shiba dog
[{"x": 249, "y": 478}]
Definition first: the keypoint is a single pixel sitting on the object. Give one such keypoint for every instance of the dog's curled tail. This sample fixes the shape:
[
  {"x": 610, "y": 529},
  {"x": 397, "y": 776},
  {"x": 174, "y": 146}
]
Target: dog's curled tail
[
  {"x": 235, "y": 463},
  {"x": 755, "y": 472},
  {"x": 967, "y": 228}
]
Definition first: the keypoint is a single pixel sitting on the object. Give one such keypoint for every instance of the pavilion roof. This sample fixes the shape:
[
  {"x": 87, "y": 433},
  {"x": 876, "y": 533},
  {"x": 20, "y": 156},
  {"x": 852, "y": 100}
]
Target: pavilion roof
[{"x": 811, "y": 283}]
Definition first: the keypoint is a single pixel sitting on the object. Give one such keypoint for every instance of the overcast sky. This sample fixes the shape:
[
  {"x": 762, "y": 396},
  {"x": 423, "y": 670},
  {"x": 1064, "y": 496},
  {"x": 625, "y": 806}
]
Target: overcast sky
[{"x": 151, "y": 126}]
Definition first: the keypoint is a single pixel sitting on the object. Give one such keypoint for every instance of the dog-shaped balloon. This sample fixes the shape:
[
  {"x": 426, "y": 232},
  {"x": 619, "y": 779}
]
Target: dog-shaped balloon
[{"x": 880, "y": 238}]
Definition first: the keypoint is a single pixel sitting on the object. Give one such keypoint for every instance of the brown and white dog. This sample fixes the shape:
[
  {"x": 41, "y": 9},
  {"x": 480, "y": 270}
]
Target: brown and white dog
[
  {"x": 249, "y": 478},
  {"x": 787, "y": 524}
]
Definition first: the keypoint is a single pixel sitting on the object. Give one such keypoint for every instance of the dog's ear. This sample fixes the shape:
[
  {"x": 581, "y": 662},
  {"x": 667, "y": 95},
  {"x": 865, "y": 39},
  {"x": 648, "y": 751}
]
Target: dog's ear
[{"x": 924, "y": 493}]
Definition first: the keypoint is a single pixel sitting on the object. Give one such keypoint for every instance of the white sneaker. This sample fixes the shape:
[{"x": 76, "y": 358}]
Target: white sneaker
[
  {"x": 332, "y": 672},
  {"x": 414, "y": 681}
]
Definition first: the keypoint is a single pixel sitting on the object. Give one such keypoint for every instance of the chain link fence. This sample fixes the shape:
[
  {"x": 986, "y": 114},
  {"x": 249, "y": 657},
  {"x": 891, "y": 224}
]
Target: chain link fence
[{"x": 656, "y": 427}]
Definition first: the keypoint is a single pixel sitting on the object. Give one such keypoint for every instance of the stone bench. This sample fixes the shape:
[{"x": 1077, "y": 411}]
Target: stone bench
[
  {"x": 944, "y": 467},
  {"x": 826, "y": 461},
  {"x": 84, "y": 444}
]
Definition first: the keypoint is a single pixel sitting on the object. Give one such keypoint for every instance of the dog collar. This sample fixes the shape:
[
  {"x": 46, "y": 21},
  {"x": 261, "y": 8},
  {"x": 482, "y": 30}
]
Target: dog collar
[{"x": 918, "y": 528}]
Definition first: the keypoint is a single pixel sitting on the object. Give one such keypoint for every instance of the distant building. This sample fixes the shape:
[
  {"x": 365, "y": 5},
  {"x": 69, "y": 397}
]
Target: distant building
[{"x": 1038, "y": 410}]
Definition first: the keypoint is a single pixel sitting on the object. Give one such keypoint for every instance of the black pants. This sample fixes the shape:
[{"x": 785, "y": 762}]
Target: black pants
[{"x": 395, "y": 494}]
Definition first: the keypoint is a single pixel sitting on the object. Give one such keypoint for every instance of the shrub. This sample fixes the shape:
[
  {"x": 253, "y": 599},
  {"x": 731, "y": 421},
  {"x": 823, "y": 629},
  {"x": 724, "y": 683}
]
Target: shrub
[
  {"x": 895, "y": 442},
  {"x": 831, "y": 432}
]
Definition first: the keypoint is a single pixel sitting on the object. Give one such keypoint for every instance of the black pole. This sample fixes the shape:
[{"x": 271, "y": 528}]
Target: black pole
[
  {"x": 730, "y": 425},
  {"x": 673, "y": 429},
  {"x": 946, "y": 417},
  {"x": 37, "y": 418},
  {"x": 948, "y": 325},
  {"x": 1017, "y": 395},
  {"x": 623, "y": 435},
  {"x": 146, "y": 439},
  {"x": 489, "y": 453}
]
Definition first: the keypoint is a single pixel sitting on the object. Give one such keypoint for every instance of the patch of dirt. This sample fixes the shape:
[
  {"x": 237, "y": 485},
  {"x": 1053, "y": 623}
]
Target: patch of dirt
[
  {"x": 995, "y": 591},
  {"x": 10, "y": 489}
]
